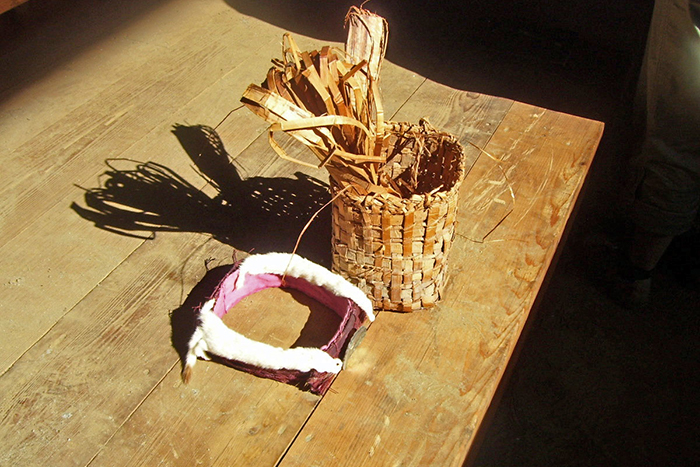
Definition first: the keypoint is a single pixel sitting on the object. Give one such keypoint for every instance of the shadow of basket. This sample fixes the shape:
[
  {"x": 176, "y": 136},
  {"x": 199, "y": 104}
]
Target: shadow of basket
[{"x": 140, "y": 199}]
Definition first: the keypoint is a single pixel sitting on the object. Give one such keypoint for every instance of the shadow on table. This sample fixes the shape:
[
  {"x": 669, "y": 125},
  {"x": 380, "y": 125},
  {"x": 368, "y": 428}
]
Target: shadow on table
[
  {"x": 254, "y": 214},
  {"x": 259, "y": 214}
]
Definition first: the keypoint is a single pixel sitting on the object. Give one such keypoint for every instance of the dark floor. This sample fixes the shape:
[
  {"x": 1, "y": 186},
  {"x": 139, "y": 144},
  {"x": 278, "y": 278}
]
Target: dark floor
[{"x": 594, "y": 384}]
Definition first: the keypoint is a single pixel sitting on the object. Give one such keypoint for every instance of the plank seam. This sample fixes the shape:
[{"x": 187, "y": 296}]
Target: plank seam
[
  {"x": 128, "y": 417},
  {"x": 301, "y": 428},
  {"x": 393, "y": 116}
]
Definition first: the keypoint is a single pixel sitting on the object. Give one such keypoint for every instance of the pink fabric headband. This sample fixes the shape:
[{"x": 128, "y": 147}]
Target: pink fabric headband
[{"x": 312, "y": 369}]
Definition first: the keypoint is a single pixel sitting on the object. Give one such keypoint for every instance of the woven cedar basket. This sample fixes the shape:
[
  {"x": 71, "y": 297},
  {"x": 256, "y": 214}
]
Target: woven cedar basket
[
  {"x": 394, "y": 185},
  {"x": 395, "y": 248}
]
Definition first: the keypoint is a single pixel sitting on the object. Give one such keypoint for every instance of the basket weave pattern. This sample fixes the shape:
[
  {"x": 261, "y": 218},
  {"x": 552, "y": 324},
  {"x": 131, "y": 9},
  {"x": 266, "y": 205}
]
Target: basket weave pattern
[
  {"x": 394, "y": 185},
  {"x": 395, "y": 248}
]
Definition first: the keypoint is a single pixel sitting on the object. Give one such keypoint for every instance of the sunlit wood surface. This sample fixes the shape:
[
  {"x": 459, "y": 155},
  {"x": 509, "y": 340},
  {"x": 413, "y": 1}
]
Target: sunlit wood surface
[{"x": 121, "y": 210}]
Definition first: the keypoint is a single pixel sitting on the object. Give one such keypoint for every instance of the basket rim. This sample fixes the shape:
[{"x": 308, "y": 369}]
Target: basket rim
[{"x": 420, "y": 129}]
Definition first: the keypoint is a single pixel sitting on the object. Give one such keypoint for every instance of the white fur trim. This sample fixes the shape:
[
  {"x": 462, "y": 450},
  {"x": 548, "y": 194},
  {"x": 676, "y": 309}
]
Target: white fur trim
[
  {"x": 214, "y": 337},
  {"x": 296, "y": 266}
]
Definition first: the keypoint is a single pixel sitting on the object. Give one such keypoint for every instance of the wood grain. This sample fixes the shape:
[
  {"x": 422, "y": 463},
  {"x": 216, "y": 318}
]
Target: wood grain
[
  {"x": 95, "y": 377},
  {"x": 416, "y": 390},
  {"x": 69, "y": 393},
  {"x": 130, "y": 119},
  {"x": 473, "y": 118},
  {"x": 95, "y": 308}
]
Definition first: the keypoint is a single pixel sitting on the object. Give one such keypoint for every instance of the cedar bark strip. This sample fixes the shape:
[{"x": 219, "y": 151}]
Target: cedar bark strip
[
  {"x": 407, "y": 175},
  {"x": 339, "y": 86}
]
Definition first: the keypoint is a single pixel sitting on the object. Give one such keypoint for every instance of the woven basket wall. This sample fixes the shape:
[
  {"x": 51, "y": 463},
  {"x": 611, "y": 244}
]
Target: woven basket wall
[{"x": 395, "y": 248}]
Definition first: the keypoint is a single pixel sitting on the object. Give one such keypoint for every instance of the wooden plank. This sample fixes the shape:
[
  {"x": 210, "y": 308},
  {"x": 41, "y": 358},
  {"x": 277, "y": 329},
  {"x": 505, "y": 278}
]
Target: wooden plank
[
  {"x": 90, "y": 375},
  {"x": 69, "y": 65},
  {"x": 33, "y": 376},
  {"x": 89, "y": 414},
  {"x": 68, "y": 393},
  {"x": 72, "y": 151},
  {"x": 267, "y": 414},
  {"x": 416, "y": 390},
  {"x": 122, "y": 114},
  {"x": 470, "y": 116},
  {"x": 74, "y": 256},
  {"x": 226, "y": 416}
]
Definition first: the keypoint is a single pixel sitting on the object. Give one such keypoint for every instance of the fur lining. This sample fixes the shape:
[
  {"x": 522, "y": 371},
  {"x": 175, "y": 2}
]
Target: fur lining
[
  {"x": 296, "y": 266},
  {"x": 214, "y": 337}
]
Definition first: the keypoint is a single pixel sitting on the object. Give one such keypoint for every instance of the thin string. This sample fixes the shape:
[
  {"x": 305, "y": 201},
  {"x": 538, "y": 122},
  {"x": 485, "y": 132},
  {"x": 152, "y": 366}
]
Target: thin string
[
  {"x": 296, "y": 246},
  {"x": 228, "y": 115}
]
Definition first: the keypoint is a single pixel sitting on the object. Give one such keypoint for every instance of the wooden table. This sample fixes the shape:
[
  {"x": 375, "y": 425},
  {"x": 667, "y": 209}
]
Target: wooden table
[{"x": 90, "y": 298}]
